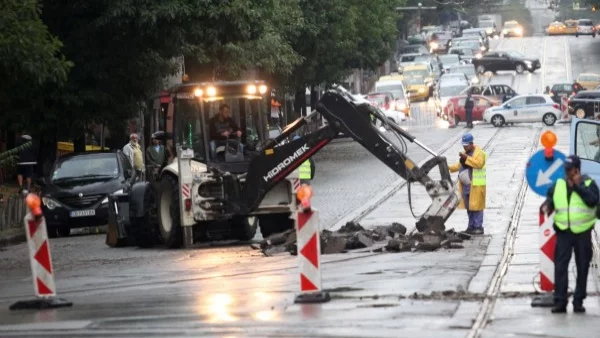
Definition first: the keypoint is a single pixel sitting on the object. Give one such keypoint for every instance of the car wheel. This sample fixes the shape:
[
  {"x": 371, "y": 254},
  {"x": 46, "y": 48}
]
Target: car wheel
[
  {"x": 549, "y": 119},
  {"x": 480, "y": 69},
  {"x": 168, "y": 212},
  {"x": 244, "y": 227},
  {"x": 497, "y": 121},
  {"x": 580, "y": 113},
  {"x": 143, "y": 229},
  {"x": 519, "y": 68}
]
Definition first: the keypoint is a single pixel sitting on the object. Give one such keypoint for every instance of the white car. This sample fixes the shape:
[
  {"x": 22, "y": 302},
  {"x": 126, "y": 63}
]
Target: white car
[
  {"x": 448, "y": 89},
  {"x": 395, "y": 115},
  {"x": 524, "y": 108}
]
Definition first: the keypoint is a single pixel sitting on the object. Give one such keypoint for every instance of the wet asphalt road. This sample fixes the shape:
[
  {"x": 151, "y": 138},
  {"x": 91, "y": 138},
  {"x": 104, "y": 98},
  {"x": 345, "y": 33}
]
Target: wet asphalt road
[{"x": 232, "y": 290}]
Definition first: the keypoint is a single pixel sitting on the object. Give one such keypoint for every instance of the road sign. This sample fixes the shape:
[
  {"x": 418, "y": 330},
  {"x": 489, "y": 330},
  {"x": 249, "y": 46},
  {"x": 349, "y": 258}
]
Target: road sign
[{"x": 542, "y": 173}]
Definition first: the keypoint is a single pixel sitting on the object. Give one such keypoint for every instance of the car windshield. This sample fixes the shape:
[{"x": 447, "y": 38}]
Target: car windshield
[
  {"x": 396, "y": 89},
  {"x": 585, "y": 23},
  {"x": 469, "y": 43},
  {"x": 449, "y": 59},
  {"x": 443, "y": 35},
  {"x": 416, "y": 72},
  {"x": 451, "y": 90},
  {"x": 414, "y": 80},
  {"x": 588, "y": 78},
  {"x": 468, "y": 70},
  {"x": 571, "y": 24},
  {"x": 516, "y": 54},
  {"x": 511, "y": 25},
  {"x": 86, "y": 166},
  {"x": 407, "y": 58}
]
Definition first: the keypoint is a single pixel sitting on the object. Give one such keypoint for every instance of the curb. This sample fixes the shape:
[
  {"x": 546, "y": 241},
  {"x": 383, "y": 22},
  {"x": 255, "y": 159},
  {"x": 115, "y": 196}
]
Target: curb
[{"x": 12, "y": 238}]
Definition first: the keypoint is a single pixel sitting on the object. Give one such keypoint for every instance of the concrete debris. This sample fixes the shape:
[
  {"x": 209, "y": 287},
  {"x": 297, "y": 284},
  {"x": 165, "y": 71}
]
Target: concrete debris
[{"x": 352, "y": 236}]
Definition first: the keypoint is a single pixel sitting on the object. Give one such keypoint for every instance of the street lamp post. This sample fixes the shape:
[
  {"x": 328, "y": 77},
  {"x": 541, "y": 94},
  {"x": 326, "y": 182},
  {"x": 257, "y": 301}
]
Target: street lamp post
[{"x": 420, "y": 5}]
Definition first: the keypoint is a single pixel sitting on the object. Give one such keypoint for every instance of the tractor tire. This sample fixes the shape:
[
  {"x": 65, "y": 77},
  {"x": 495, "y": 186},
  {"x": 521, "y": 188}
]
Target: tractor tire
[
  {"x": 244, "y": 228},
  {"x": 275, "y": 223},
  {"x": 169, "y": 220},
  {"x": 143, "y": 230}
]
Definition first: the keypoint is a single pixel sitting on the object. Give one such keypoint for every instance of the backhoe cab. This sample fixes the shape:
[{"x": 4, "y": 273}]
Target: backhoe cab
[{"x": 206, "y": 193}]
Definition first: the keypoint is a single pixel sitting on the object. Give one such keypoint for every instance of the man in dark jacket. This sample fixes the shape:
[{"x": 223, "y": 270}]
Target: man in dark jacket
[
  {"x": 575, "y": 200},
  {"x": 27, "y": 161},
  {"x": 222, "y": 129},
  {"x": 469, "y": 104}
]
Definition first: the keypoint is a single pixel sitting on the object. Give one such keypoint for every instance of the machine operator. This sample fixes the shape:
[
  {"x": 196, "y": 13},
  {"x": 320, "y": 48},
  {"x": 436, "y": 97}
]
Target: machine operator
[{"x": 222, "y": 128}]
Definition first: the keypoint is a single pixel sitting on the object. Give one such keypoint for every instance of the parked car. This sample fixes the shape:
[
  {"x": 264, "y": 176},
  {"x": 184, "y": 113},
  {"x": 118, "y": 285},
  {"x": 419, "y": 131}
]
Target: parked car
[
  {"x": 511, "y": 60},
  {"x": 468, "y": 70},
  {"x": 585, "y": 103},
  {"x": 588, "y": 81},
  {"x": 449, "y": 60},
  {"x": 585, "y": 27},
  {"x": 76, "y": 195},
  {"x": 498, "y": 92},
  {"x": 456, "y": 107},
  {"x": 524, "y": 108}
]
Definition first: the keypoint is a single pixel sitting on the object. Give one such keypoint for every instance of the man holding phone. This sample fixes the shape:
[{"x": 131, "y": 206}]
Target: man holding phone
[
  {"x": 472, "y": 183},
  {"x": 575, "y": 199}
]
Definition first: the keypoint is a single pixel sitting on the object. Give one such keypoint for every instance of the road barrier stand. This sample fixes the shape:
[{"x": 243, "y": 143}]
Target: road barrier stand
[
  {"x": 547, "y": 246},
  {"x": 564, "y": 106},
  {"x": 309, "y": 250},
  {"x": 40, "y": 259}
]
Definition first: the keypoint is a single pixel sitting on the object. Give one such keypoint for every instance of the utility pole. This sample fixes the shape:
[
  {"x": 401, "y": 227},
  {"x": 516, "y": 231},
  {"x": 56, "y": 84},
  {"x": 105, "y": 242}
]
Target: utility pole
[{"x": 418, "y": 8}]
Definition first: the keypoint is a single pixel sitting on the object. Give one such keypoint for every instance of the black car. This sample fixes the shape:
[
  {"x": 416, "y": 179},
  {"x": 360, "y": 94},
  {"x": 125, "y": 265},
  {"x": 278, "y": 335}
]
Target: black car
[
  {"x": 586, "y": 103},
  {"x": 76, "y": 195},
  {"x": 560, "y": 90},
  {"x": 511, "y": 60}
]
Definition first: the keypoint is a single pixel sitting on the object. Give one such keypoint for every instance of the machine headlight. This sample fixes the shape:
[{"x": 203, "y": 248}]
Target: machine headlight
[
  {"x": 120, "y": 191},
  {"x": 488, "y": 30},
  {"x": 251, "y": 89},
  {"x": 478, "y": 55},
  {"x": 482, "y": 48},
  {"x": 211, "y": 91},
  {"x": 50, "y": 203},
  {"x": 421, "y": 90},
  {"x": 198, "y": 92},
  {"x": 262, "y": 89},
  {"x": 434, "y": 45}
]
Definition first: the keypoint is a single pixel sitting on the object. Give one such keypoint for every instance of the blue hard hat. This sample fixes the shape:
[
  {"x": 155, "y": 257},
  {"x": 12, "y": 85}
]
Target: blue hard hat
[
  {"x": 467, "y": 139},
  {"x": 295, "y": 137}
]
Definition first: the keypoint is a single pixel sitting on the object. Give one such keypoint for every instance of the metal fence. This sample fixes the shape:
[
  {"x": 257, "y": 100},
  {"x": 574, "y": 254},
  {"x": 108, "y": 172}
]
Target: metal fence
[{"x": 12, "y": 212}]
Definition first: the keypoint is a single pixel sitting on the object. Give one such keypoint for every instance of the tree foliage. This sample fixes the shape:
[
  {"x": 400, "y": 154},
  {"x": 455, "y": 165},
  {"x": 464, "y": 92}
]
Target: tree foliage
[{"x": 9, "y": 158}]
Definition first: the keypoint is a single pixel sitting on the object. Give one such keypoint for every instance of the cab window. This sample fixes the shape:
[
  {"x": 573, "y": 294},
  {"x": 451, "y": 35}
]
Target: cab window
[
  {"x": 584, "y": 135},
  {"x": 535, "y": 100},
  {"x": 487, "y": 91},
  {"x": 508, "y": 90},
  {"x": 518, "y": 102}
]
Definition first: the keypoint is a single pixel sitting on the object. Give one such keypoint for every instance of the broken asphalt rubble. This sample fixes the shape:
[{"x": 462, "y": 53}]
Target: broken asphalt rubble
[{"x": 353, "y": 236}]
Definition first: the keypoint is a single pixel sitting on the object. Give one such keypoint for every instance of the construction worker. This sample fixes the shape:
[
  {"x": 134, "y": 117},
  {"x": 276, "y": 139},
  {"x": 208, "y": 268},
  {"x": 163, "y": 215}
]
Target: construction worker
[
  {"x": 306, "y": 169},
  {"x": 471, "y": 169},
  {"x": 574, "y": 199}
]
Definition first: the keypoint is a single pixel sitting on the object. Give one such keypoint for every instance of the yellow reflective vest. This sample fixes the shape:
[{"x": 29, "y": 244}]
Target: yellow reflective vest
[
  {"x": 479, "y": 176},
  {"x": 304, "y": 171},
  {"x": 572, "y": 213}
]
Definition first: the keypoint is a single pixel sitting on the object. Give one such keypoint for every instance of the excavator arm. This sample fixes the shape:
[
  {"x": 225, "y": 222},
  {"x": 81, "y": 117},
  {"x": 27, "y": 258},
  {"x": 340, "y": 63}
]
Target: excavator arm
[{"x": 344, "y": 114}]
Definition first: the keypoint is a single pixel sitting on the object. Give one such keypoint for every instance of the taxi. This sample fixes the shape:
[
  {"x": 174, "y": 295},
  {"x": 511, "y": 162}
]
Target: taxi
[
  {"x": 556, "y": 28},
  {"x": 418, "y": 90},
  {"x": 422, "y": 69},
  {"x": 571, "y": 27},
  {"x": 588, "y": 81},
  {"x": 512, "y": 29}
]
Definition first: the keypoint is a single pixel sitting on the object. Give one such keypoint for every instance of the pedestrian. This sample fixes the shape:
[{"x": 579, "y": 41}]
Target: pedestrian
[
  {"x": 306, "y": 169},
  {"x": 547, "y": 91},
  {"x": 155, "y": 154},
  {"x": 469, "y": 104},
  {"x": 471, "y": 169},
  {"x": 27, "y": 161},
  {"x": 574, "y": 200},
  {"x": 133, "y": 151}
]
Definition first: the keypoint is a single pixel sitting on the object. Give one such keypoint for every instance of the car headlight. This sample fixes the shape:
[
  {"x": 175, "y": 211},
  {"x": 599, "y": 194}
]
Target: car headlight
[
  {"x": 421, "y": 90},
  {"x": 482, "y": 48},
  {"x": 120, "y": 191},
  {"x": 504, "y": 31},
  {"x": 434, "y": 45},
  {"x": 527, "y": 63},
  {"x": 478, "y": 55},
  {"x": 519, "y": 31},
  {"x": 50, "y": 203}
]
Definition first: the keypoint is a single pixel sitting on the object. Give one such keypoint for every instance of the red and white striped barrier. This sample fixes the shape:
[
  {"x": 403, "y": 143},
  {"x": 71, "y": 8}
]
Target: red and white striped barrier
[
  {"x": 564, "y": 106},
  {"x": 547, "y": 246},
  {"x": 309, "y": 253},
  {"x": 296, "y": 184},
  {"x": 41, "y": 265}
]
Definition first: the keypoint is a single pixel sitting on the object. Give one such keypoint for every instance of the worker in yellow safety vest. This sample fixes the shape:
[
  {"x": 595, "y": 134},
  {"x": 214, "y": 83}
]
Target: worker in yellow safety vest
[
  {"x": 575, "y": 200},
  {"x": 471, "y": 169},
  {"x": 306, "y": 169}
]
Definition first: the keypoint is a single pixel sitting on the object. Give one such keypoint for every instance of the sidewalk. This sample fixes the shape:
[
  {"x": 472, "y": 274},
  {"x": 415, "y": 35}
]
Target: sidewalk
[{"x": 516, "y": 316}]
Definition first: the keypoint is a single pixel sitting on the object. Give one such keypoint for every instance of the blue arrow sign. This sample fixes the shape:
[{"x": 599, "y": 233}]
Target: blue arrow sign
[{"x": 541, "y": 173}]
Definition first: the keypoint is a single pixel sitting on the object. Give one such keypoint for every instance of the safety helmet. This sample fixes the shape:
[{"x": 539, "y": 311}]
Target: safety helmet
[{"x": 467, "y": 139}]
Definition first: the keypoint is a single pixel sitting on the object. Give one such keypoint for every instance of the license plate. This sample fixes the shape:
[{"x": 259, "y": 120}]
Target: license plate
[{"x": 83, "y": 213}]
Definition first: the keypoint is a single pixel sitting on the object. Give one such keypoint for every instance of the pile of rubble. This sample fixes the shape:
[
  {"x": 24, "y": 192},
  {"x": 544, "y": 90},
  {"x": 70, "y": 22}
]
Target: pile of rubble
[{"x": 352, "y": 236}]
